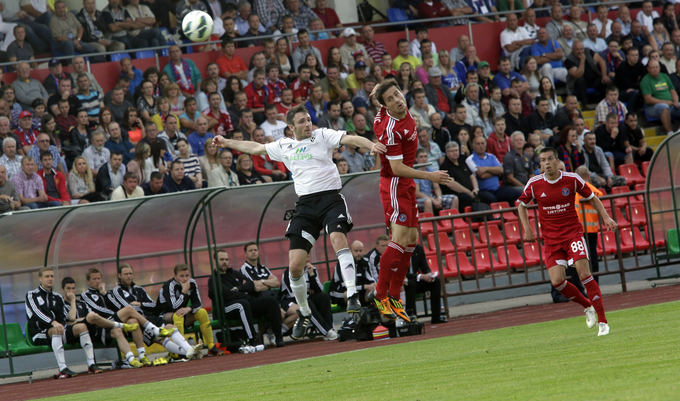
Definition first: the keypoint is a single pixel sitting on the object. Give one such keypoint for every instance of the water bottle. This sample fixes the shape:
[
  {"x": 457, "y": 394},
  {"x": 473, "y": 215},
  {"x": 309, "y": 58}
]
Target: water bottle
[{"x": 259, "y": 347}]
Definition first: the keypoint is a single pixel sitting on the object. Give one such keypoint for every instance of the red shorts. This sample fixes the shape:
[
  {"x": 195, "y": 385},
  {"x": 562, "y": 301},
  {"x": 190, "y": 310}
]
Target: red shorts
[
  {"x": 565, "y": 253},
  {"x": 398, "y": 196}
]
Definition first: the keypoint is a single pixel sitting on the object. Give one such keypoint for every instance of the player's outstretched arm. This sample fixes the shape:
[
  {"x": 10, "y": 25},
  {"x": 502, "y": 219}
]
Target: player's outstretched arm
[
  {"x": 608, "y": 221},
  {"x": 363, "y": 143},
  {"x": 249, "y": 147},
  {"x": 401, "y": 170}
]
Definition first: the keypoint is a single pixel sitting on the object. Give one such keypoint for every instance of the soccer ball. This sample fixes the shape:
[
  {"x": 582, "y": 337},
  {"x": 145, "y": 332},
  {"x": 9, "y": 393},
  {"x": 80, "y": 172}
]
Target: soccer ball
[{"x": 197, "y": 26}]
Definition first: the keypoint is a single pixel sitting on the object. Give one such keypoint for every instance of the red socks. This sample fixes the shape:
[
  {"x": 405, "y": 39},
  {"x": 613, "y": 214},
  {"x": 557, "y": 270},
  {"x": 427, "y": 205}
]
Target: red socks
[
  {"x": 397, "y": 279},
  {"x": 572, "y": 293},
  {"x": 595, "y": 296},
  {"x": 390, "y": 262}
]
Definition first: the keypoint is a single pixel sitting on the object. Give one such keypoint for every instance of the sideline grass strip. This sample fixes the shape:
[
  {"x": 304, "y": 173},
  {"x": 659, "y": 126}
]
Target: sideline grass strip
[{"x": 558, "y": 360}]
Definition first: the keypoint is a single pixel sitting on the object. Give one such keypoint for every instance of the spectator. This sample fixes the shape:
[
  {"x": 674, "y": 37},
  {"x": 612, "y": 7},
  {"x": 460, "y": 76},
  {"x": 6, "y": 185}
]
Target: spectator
[
  {"x": 433, "y": 9},
  {"x": 661, "y": 99},
  {"x": 498, "y": 143},
  {"x": 505, "y": 75},
  {"x": 464, "y": 183},
  {"x": 569, "y": 149},
  {"x": 624, "y": 19},
  {"x": 171, "y": 134},
  {"x": 675, "y": 41},
  {"x": 603, "y": 25},
  {"x": 272, "y": 127},
  {"x": 36, "y": 17},
  {"x": 270, "y": 12},
  {"x": 647, "y": 15},
  {"x": 80, "y": 183},
  {"x": 610, "y": 104},
  {"x": 540, "y": 120},
  {"x": 229, "y": 63},
  {"x": 111, "y": 175},
  {"x": 457, "y": 53},
  {"x": 29, "y": 186},
  {"x": 182, "y": 71},
  {"x": 567, "y": 114},
  {"x": 530, "y": 26},
  {"x": 90, "y": 100},
  {"x": 471, "y": 103},
  {"x": 469, "y": 62},
  {"x": 613, "y": 57},
  {"x": 434, "y": 155},
  {"x": 579, "y": 26},
  {"x": 429, "y": 196},
  {"x": 257, "y": 95},
  {"x": 328, "y": 15},
  {"x": 450, "y": 77},
  {"x": 351, "y": 49},
  {"x": 303, "y": 49},
  {"x": 97, "y": 154},
  {"x": 190, "y": 163},
  {"x": 187, "y": 120},
  {"x": 146, "y": 33},
  {"x": 118, "y": 104},
  {"x": 9, "y": 199},
  {"x": 26, "y": 88},
  {"x": 155, "y": 186},
  {"x": 458, "y": 121},
  {"x": 628, "y": 78},
  {"x": 613, "y": 142},
  {"x": 332, "y": 118},
  {"x": 517, "y": 167},
  {"x": 129, "y": 189},
  {"x": 42, "y": 145},
  {"x": 487, "y": 169},
  {"x": 439, "y": 95},
  {"x": 19, "y": 49},
  {"x": 223, "y": 175},
  {"x": 25, "y": 132},
  {"x": 375, "y": 49},
  {"x": 639, "y": 36},
  {"x": 334, "y": 87},
  {"x": 56, "y": 77},
  {"x": 486, "y": 116},
  {"x": 421, "y": 110},
  {"x": 117, "y": 144},
  {"x": 616, "y": 34},
  {"x": 316, "y": 105},
  {"x": 592, "y": 41},
  {"x": 513, "y": 40},
  {"x": 483, "y": 7},
  {"x": 274, "y": 85},
  {"x": 93, "y": 31},
  {"x": 54, "y": 182},
  {"x": 10, "y": 159},
  {"x": 209, "y": 160},
  {"x": 549, "y": 55},
  {"x": 254, "y": 33},
  {"x": 132, "y": 73},
  {"x": 587, "y": 70},
  {"x": 556, "y": 25},
  {"x": 198, "y": 138},
  {"x": 212, "y": 72},
  {"x": 598, "y": 166},
  {"x": 636, "y": 138},
  {"x": 118, "y": 22},
  {"x": 67, "y": 32},
  {"x": 246, "y": 173},
  {"x": 184, "y": 7},
  {"x": 404, "y": 56},
  {"x": 177, "y": 180},
  {"x": 668, "y": 58},
  {"x": 218, "y": 120},
  {"x": 566, "y": 41}
]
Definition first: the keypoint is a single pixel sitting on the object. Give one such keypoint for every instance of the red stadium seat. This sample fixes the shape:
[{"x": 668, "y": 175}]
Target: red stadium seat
[
  {"x": 531, "y": 254},
  {"x": 623, "y": 200},
  {"x": 659, "y": 240},
  {"x": 494, "y": 233},
  {"x": 464, "y": 240},
  {"x": 645, "y": 166},
  {"x": 631, "y": 173},
  {"x": 445, "y": 225},
  {"x": 639, "y": 199},
  {"x": 432, "y": 263},
  {"x": 513, "y": 234},
  {"x": 445, "y": 245},
  {"x": 458, "y": 263},
  {"x": 609, "y": 243},
  {"x": 637, "y": 215},
  {"x": 627, "y": 244},
  {"x": 428, "y": 226},
  {"x": 507, "y": 216},
  {"x": 487, "y": 257},
  {"x": 513, "y": 258},
  {"x": 618, "y": 217}
]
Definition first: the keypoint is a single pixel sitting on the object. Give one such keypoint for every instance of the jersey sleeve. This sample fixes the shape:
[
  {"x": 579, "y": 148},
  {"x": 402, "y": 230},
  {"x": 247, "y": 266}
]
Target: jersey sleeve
[
  {"x": 583, "y": 189},
  {"x": 527, "y": 194},
  {"x": 331, "y": 137},
  {"x": 274, "y": 150}
]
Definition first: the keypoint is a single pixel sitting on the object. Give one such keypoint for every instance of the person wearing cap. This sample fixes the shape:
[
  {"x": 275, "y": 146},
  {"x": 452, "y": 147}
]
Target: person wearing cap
[
  {"x": 25, "y": 132},
  {"x": 302, "y": 15},
  {"x": 404, "y": 56},
  {"x": 26, "y": 88},
  {"x": 438, "y": 94},
  {"x": 351, "y": 49},
  {"x": 356, "y": 79},
  {"x": 484, "y": 77},
  {"x": 56, "y": 76}
]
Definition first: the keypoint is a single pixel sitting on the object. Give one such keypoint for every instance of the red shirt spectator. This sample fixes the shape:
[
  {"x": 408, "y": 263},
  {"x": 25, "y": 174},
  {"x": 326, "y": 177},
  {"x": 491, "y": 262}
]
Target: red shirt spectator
[
  {"x": 231, "y": 66},
  {"x": 498, "y": 147},
  {"x": 328, "y": 15},
  {"x": 224, "y": 125},
  {"x": 28, "y": 137},
  {"x": 265, "y": 166},
  {"x": 59, "y": 186},
  {"x": 257, "y": 97},
  {"x": 302, "y": 90},
  {"x": 275, "y": 88},
  {"x": 283, "y": 109}
]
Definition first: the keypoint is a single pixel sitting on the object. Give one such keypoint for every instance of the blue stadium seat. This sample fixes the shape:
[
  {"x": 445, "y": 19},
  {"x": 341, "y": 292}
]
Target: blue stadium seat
[
  {"x": 145, "y": 54},
  {"x": 120, "y": 56},
  {"x": 648, "y": 117},
  {"x": 397, "y": 15}
]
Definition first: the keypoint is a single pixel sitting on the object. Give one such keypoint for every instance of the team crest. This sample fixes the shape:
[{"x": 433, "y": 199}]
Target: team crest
[
  {"x": 402, "y": 217},
  {"x": 565, "y": 191}
]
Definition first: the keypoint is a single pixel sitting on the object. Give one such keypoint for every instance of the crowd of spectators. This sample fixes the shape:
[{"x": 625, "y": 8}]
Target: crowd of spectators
[{"x": 67, "y": 141}]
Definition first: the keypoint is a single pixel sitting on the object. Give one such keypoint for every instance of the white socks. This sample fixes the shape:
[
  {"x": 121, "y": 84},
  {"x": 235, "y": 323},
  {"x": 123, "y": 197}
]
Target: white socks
[
  {"x": 152, "y": 328},
  {"x": 117, "y": 325},
  {"x": 181, "y": 342},
  {"x": 86, "y": 343},
  {"x": 348, "y": 270},
  {"x": 129, "y": 356},
  {"x": 141, "y": 351},
  {"x": 299, "y": 287},
  {"x": 58, "y": 348},
  {"x": 172, "y": 347}
]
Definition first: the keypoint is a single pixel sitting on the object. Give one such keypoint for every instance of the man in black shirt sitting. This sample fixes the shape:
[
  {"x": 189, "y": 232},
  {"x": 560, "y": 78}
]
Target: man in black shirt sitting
[
  {"x": 421, "y": 279},
  {"x": 464, "y": 184}
]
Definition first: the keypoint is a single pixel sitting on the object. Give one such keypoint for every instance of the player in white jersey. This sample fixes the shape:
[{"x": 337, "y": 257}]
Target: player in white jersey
[{"x": 320, "y": 205}]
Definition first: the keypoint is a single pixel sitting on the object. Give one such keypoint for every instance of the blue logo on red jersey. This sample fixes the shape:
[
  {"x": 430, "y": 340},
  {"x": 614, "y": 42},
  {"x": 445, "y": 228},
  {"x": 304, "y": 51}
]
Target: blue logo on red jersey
[
  {"x": 565, "y": 191},
  {"x": 402, "y": 217}
]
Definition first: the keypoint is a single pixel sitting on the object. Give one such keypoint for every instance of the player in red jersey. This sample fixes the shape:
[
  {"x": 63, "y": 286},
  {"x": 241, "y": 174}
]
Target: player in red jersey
[
  {"x": 554, "y": 191},
  {"x": 395, "y": 128}
]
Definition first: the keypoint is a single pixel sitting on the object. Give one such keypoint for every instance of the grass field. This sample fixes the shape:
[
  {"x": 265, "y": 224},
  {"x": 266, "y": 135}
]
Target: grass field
[{"x": 558, "y": 360}]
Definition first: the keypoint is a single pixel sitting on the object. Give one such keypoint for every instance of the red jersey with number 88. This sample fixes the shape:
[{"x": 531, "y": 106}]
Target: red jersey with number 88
[{"x": 556, "y": 205}]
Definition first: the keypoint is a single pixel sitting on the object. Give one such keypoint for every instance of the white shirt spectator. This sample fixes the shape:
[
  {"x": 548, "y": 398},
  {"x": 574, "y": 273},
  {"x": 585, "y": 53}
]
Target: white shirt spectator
[
  {"x": 275, "y": 130},
  {"x": 414, "y": 48},
  {"x": 120, "y": 194},
  {"x": 608, "y": 27},
  {"x": 646, "y": 20},
  {"x": 597, "y": 45},
  {"x": 96, "y": 158}
]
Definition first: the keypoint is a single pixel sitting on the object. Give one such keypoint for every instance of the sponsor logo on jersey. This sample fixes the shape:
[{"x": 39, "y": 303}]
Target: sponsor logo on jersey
[
  {"x": 301, "y": 154},
  {"x": 543, "y": 195},
  {"x": 565, "y": 191}
]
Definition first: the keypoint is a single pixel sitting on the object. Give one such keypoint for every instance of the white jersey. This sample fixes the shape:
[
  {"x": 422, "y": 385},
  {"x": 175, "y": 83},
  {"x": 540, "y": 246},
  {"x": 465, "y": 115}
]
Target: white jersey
[{"x": 310, "y": 160}]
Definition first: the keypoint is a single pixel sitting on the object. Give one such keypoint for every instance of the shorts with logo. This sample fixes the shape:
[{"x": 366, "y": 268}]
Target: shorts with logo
[
  {"x": 398, "y": 196},
  {"x": 325, "y": 210},
  {"x": 565, "y": 253}
]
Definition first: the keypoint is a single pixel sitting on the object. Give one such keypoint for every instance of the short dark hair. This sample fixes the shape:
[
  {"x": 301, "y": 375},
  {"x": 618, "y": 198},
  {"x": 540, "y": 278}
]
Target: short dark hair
[
  {"x": 400, "y": 41},
  {"x": 550, "y": 149},
  {"x": 67, "y": 280},
  {"x": 290, "y": 117},
  {"x": 91, "y": 271},
  {"x": 45, "y": 153},
  {"x": 271, "y": 106},
  {"x": 125, "y": 265},
  {"x": 156, "y": 175},
  {"x": 180, "y": 267},
  {"x": 388, "y": 83},
  {"x": 129, "y": 175},
  {"x": 189, "y": 100},
  {"x": 245, "y": 247},
  {"x": 227, "y": 40},
  {"x": 302, "y": 31}
]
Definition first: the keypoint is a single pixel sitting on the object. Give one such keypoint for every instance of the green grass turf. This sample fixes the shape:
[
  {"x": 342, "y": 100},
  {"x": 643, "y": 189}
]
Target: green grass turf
[{"x": 557, "y": 360}]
